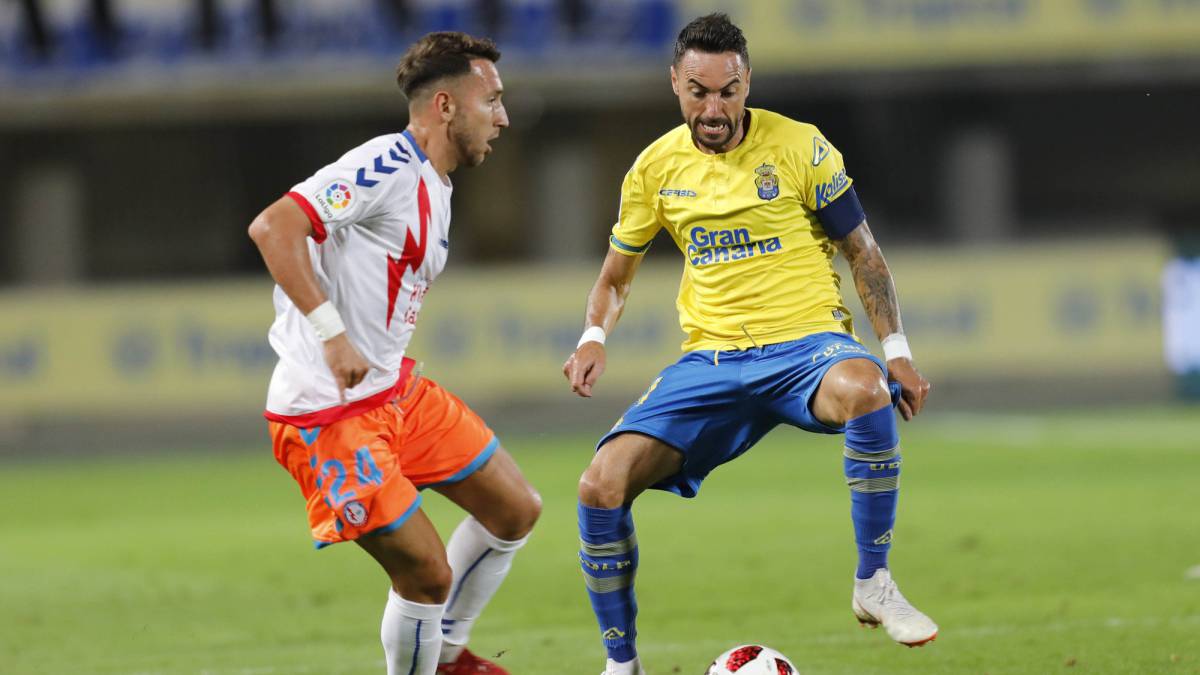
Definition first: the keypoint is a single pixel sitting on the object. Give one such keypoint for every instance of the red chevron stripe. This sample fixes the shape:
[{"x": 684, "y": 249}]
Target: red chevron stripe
[{"x": 414, "y": 252}]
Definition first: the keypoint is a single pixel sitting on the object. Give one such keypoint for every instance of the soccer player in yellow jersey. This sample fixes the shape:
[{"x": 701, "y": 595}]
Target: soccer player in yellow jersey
[{"x": 759, "y": 205}]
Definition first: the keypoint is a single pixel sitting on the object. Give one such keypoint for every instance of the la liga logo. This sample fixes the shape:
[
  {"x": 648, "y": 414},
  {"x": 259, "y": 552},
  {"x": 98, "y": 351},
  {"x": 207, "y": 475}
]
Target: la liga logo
[{"x": 338, "y": 196}]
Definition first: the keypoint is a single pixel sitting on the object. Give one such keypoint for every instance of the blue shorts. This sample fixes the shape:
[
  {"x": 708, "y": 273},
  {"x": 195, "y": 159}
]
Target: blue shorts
[{"x": 713, "y": 406}]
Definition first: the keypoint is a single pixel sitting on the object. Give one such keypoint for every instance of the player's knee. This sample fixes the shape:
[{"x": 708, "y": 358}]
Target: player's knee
[
  {"x": 598, "y": 493},
  {"x": 868, "y": 396},
  {"x": 861, "y": 391},
  {"x": 531, "y": 512},
  {"x": 427, "y": 580},
  {"x": 520, "y": 519}
]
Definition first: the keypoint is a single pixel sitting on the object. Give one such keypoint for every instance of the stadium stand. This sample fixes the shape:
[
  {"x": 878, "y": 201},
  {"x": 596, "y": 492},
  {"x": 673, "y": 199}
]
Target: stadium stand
[{"x": 46, "y": 39}]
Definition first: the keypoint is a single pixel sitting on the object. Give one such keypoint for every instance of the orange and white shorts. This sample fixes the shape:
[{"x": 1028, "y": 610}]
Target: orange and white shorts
[{"x": 362, "y": 474}]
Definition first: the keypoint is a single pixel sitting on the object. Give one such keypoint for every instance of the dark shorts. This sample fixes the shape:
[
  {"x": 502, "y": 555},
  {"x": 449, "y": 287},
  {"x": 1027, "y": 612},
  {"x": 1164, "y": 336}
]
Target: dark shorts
[{"x": 713, "y": 406}]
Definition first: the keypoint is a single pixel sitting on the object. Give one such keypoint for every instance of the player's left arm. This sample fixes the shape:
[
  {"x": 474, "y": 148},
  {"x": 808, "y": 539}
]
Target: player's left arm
[{"x": 877, "y": 290}]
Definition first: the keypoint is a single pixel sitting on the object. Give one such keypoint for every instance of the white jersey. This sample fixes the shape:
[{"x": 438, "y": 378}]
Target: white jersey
[{"x": 381, "y": 219}]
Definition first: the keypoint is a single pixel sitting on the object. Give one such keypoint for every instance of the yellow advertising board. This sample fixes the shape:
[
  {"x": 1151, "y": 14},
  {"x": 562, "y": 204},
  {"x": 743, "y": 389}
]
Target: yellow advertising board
[
  {"x": 847, "y": 34},
  {"x": 1038, "y": 312},
  {"x": 135, "y": 350},
  {"x": 1063, "y": 310}
]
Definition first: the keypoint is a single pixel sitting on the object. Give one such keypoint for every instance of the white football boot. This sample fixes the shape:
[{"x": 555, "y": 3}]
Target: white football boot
[
  {"x": 633, "y": 667},
  {"x": 877, "y": 601}
]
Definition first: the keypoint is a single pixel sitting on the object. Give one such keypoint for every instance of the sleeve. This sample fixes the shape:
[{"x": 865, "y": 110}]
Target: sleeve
[
  {"x": 637, "y": 222},
  {"x": 830, "y": 192},
  {"x": 353, "y": 189}
]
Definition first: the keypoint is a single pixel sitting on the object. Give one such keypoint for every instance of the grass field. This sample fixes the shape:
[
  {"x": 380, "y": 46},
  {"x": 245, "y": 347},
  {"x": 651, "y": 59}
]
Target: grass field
[{"x": 1043, "y": 544}]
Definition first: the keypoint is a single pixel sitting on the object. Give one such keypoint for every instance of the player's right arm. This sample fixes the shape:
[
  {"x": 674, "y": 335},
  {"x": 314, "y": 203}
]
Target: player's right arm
[
  {"x": 281, "y": 233},
  {"x": 637, "y": 223},
  {"x": 605, "y": 303}
]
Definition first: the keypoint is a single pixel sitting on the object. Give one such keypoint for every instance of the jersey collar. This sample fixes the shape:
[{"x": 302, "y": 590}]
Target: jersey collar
[{"x": 416, "y": 148}]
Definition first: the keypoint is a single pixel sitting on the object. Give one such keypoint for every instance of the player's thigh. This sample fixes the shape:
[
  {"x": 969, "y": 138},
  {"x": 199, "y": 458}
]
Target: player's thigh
[
  {"x": 442, "y": 441},
  {"x": 352, "y": 482},
  {"x": 849, "y": 388},
  {"x": 625, "y": 466},
  {"x": 498, "y": 496},
  {"x": 413, "y": 557}
]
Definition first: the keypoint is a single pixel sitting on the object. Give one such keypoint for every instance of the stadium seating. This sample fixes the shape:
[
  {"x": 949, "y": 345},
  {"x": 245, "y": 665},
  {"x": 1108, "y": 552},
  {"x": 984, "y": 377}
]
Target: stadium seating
[{"x": 83, "y": 36}]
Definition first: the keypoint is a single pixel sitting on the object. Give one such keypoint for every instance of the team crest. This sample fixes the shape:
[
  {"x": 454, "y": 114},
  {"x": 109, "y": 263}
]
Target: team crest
[
  {"x": 338, "y": 196},
  {"x": 355, "y": 512},
  {"x": 767, "y": 182}
]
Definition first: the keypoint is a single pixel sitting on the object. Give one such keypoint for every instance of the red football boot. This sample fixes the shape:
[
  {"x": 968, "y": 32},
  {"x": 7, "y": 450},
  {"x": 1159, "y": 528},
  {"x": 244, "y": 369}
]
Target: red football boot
[{"x": 469, "y": 664}]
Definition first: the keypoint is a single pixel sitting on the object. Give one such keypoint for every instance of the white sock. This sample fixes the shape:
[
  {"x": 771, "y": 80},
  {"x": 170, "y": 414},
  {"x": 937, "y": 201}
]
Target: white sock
[
  {"x": 410, "y": 635},
  {"x": 633, "y": 667},
  {"x": 480, "y": 562}
]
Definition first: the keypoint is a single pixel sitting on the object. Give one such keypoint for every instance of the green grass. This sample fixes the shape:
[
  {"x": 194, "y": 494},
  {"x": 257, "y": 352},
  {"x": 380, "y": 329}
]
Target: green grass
[{"x": 1049, "y": 544}]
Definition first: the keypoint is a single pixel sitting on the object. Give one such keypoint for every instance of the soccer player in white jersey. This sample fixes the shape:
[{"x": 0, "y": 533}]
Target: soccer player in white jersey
[{"x": 353, "y": 251}]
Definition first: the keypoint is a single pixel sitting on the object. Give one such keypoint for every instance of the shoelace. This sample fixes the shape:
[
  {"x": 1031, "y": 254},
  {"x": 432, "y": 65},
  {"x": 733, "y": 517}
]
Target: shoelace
[
  {"x": 893, "y": 601},
  {"x": 900, "y": 605}
]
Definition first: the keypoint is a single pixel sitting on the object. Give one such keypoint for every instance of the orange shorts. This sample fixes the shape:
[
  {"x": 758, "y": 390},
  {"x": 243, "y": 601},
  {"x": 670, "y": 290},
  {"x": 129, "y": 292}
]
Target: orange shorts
[{"x": 361, "y": 475}]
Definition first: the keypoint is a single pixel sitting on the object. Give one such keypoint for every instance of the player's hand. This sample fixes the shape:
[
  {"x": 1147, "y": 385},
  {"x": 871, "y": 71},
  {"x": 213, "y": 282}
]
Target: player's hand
[
  {"x": 913, "y": 387},
  {"x": 348, "y": 366},
  {"x": 584, "y": 367}
]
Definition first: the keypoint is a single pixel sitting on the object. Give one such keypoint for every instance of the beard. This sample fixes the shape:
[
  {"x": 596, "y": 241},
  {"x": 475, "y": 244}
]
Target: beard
[
  {"x": 469, "y": 153},
  {"x": 707, "y": 141}
]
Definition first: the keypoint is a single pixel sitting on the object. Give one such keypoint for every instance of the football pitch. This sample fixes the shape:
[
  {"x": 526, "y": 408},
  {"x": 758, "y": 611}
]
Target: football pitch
[{"x": 1058, "y": 543}]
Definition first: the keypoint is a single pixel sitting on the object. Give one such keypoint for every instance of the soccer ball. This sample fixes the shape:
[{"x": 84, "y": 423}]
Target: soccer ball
[{"x": 752, "y": 660}]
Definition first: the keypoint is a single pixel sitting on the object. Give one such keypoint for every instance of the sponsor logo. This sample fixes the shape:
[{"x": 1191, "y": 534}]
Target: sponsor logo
[
  {"x": 671, "y": 192},
  {"x": 355, "y": 513},
  {"x": 604, "y": 566},
  {"x": 613, "y": 633},
  {"x": 839, "y": 348},
  {"x": 444, "y": 243},
  {"x": 820, "y": 150},
  {"x": 327, "y": 211},
  {"x": 708, "y": 247},
  {"x": 839, "y": 314},
  {"x": 767, "y": 182},
  {"x": 885, "y": 538},
  {"x": 825, "y": 193},
  {"x": 338, "y": 196}
]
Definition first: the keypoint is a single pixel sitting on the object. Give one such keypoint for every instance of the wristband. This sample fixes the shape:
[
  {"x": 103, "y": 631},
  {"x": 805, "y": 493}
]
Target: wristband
[
  {"x": 895, "y": 346},
  {"x": 326, "y": 321},
  {"x": 592, "y": 334}
]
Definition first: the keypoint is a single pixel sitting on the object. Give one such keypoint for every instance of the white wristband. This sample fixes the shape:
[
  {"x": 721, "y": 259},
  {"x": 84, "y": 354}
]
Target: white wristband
[
  {"x": 895, "y": 346},
  {"x": 592, "y": 334},
  {"x": 326, "y": 321}
]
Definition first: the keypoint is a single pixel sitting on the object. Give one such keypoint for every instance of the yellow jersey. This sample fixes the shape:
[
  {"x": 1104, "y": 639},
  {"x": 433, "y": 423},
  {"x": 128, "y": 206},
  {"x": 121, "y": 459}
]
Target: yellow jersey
[{"x": 758, "y": 266}]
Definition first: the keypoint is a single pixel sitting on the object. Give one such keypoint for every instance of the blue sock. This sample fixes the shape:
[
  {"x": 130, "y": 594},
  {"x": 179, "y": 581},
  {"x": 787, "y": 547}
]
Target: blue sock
[
  {"x": 608, "y": 554},
  {"x": 873, "y": 474}
]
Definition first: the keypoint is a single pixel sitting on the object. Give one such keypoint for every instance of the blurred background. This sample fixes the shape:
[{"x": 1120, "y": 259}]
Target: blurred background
[{"x": 1030, "y": 167}]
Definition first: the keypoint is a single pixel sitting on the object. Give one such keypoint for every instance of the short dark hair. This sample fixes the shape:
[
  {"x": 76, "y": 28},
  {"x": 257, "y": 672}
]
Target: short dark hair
[
  {"x": 712, "y": 34},
  {"x": 440, "y": 55}
]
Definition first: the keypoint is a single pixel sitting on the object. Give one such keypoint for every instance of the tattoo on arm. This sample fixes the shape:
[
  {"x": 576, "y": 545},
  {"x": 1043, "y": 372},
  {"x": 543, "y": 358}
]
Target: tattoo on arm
[{"x": 873, "y": 280}]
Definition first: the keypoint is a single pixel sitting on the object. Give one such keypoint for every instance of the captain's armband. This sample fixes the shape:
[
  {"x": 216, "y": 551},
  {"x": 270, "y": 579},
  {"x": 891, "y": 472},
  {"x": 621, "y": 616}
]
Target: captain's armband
[{"x": 842, "y": 216}]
